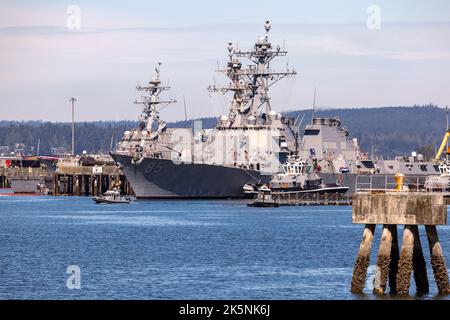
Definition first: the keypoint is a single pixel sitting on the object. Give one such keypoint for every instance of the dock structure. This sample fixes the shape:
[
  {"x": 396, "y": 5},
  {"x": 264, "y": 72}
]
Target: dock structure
[
  {"x": 297, "y": 198},
  {"x": 6, "y": 174},
  {"x": 410, "y": 209},
  {"x": 4, "y": 183},
  {"x": 88, "y": 180}
]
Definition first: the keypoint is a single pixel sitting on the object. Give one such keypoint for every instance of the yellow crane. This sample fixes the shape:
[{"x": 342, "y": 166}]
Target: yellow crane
[{"x": 443, "y": 144}]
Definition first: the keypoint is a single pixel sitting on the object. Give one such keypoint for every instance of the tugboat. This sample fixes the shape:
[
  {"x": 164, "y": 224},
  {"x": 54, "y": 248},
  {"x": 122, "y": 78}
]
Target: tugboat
[
  {"x": 297, "y": 176},
  {"x": 264, "y": 199},
  {"x": 113, "y": 196}
]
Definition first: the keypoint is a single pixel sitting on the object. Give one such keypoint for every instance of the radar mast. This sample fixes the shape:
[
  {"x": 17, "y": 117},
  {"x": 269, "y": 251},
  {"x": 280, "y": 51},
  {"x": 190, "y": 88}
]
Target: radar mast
[
  {"x": 149, "y": 119},
  {"x": 251, "y": 84}
]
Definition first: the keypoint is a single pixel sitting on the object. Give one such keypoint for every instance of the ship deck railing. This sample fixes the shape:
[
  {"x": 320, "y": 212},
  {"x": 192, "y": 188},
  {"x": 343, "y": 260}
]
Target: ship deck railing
[
  {"x": 386, "y": 182},
  {"x": 295, "y": 198}
]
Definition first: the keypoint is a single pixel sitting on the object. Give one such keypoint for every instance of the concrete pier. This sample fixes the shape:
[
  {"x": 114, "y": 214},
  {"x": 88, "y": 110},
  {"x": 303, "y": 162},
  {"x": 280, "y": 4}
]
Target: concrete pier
[{"x": 391, "y": 209}]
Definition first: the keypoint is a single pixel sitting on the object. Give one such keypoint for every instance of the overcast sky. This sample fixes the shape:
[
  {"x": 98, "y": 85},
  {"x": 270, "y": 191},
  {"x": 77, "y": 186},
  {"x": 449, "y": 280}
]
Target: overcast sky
[{"x": 43, "y": 62}]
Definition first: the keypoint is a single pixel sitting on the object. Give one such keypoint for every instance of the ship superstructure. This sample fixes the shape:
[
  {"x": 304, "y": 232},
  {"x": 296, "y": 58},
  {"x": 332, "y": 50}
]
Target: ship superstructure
[
  {"x": 338, "y": 159},
  {"x": 151, "y": 137},
  {"x": 329, "y": 144},
  {"x": 253, "y": 135},
  {"x": 250, "y": 84}
]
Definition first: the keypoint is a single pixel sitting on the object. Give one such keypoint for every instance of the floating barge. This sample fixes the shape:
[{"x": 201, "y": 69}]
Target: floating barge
[{"x": 296, "y": 198}]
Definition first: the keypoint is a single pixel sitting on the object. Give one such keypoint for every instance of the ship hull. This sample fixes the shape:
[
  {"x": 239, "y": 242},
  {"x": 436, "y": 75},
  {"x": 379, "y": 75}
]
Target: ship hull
[
  {"x": 162, "y": 178},
  {"x": 100, "y": 200}
]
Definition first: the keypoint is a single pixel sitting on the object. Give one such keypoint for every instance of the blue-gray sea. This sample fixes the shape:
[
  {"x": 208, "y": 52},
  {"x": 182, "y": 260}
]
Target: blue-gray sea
[{"x": 180, "y": 250}]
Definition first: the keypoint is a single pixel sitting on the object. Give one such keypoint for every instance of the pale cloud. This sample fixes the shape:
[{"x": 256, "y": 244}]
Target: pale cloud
[{"x": 351, "y": 66}]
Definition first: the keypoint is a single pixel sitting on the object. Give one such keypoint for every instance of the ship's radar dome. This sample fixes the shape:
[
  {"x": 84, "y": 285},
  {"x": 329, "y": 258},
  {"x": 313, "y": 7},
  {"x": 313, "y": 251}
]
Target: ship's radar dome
[
  {"x": 267, "y": 25},
  {"x": 251, "y": 119},
  {"x": 272, "y": 113},
  {"x": 224, "y": 118},
  {"x": 127, "y": 132},
  {"x": 413, "y": 154},
  {"x": 144, "y": 133}
]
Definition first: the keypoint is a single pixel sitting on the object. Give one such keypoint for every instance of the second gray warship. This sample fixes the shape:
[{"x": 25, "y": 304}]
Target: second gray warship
[{"x": 340, "y": 159}]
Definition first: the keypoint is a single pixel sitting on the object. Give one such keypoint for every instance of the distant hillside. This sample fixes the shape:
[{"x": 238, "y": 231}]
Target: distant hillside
[
  {"x": 90, "y": 136},
  {"x": 389, "y": 130}
]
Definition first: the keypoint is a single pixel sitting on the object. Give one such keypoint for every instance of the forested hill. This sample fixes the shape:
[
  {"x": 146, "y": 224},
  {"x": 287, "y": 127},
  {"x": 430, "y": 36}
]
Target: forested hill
[{"x": 389, "y": 130}]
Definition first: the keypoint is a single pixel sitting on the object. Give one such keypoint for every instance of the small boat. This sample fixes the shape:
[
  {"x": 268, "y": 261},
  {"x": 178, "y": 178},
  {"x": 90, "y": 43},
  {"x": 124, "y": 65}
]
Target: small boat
[
  {"x": 263, "y": 204},
  {"x": 264, "y": 199},
  {"x": 113, "y": 196}
]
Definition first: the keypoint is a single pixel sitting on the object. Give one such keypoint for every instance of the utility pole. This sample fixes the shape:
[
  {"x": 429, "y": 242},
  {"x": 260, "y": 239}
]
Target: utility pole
[{"x": 73, "y": 99}]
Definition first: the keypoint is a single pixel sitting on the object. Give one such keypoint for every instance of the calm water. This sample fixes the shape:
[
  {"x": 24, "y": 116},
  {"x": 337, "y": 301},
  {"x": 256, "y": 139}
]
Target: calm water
[{"x": 178, "y": 250}]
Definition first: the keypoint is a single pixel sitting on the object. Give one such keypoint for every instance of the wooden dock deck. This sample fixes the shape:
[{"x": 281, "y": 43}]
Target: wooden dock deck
[{"x": 295, "y": 198}]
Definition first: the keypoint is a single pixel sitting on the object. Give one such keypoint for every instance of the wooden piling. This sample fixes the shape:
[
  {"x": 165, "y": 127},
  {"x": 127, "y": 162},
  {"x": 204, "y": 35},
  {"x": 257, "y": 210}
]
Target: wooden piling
[
  {"x": 395, "y": 256},
  {"x": 363, "y": 260},
  {"x": 410, "y": 209},
  {"x": 437, "y": 260},
  {"x": 383, "y": 260},
  {"x": 405, "y": 264},
  {"x": 419, "y": 266}
]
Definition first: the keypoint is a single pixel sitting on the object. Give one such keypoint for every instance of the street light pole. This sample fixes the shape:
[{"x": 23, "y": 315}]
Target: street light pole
[{"x": 73, "y": 99}]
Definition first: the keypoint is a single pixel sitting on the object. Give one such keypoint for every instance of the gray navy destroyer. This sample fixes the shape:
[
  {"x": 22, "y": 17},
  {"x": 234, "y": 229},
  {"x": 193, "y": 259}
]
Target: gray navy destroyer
[{"x": 249, "y": 146}]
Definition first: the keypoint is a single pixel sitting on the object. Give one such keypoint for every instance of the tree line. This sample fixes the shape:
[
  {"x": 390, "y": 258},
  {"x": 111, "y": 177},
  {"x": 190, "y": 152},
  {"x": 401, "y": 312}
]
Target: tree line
[{"x": 387, "y": 131}]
